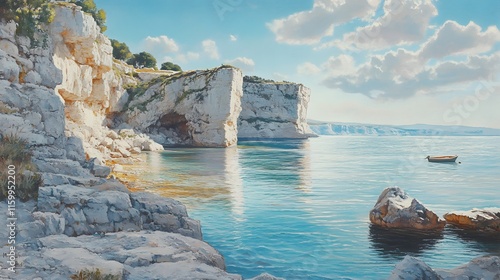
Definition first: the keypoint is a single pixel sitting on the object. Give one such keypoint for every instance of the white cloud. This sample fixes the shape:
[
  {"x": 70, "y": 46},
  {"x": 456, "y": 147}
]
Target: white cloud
[
  {"x": 182, "y": 58},
  {"x": 309, "y": 27},
  {"x": 403, "y": 22},
  {"x": 340, "y": 65},
  {"x": 453, "y": 38},
  {"x": 244, "y": 63},
  {"x": 402, "y": 74},
  {"x": 233, "y": 38},
  {"x": 210, "y": 48},
  {"x": 307, "y": 68},
  {"x": 160, "y": 44}
]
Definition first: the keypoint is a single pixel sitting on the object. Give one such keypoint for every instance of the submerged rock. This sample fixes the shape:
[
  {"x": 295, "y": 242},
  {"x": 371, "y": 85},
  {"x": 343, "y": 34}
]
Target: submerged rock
[
  {"x": 395, "y": 209},
  {"x": 477, "y": 219}
]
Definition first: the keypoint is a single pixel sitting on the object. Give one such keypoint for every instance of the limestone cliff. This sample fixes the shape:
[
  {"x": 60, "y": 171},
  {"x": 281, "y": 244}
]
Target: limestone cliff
[
  {"x": 197, "y": 108},
  {"x": 273, "y": 110}
]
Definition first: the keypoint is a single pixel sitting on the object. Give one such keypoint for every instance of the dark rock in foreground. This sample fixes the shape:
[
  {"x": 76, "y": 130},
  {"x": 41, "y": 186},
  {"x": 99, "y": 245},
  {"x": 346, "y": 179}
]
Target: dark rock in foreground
[
  {"x": 395, "y": 209},
  {"x": 410, "y": 268}
]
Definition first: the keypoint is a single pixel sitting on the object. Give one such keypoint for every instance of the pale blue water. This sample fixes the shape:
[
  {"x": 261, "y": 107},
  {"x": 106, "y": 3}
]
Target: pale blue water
[{"x": 299, "y": 209}]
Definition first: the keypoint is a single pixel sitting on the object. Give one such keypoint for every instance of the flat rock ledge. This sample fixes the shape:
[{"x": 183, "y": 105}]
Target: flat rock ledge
[
  {"x": 396, "y": 209},
  {"x": 128, "y": 255},
  {"x": 410, "y": 268},
  {"x": 487, "y": 219},
  {"x": 81, "y": 210}
]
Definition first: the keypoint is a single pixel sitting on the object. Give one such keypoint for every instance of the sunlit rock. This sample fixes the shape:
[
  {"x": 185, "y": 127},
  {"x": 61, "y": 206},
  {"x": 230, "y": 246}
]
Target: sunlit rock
[
  {"x": 395, "y": 209},
  {"x": 487, "y": 219},
  {"x": 274, "y": 110}
]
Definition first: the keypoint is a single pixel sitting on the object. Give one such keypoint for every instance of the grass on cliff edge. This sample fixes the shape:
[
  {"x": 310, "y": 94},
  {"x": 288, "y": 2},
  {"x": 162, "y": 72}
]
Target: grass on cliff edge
[{"x": 23, "y": 179}]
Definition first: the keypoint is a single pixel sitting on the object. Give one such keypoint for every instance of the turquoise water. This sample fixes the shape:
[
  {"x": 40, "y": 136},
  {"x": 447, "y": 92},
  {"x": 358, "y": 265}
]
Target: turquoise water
[{"x": 299, "y": 209}]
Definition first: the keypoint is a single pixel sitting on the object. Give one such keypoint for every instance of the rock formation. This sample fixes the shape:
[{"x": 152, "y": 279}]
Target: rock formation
[
  {"x": 410, "y": 268},
  {"x": 273, "y": 110},
  {"x": 197, "y": 108},
  {"x": 395, "y": 209},
  {"x": 477, "y": 219}
]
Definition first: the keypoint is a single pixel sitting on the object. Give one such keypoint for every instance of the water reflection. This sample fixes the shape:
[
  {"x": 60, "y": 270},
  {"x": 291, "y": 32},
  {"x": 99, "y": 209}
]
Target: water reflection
[
  {"x": 280, "y": 163},
  {"x": 396, "y": 243},
  {"x": 478, "y": 241}
]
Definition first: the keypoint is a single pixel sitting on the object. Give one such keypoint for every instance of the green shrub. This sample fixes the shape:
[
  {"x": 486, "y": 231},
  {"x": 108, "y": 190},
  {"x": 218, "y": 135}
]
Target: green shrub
[
  {"x": 16, "y": 152},
  {"x": 120, "y": 50},
  {"x": 170, "y": 66},
  {"x": 30, "y": 16},
  {"x": 90, "y": 7},
  {"x": 87, "y": 274},
  {"x": 142, "y": 59}
]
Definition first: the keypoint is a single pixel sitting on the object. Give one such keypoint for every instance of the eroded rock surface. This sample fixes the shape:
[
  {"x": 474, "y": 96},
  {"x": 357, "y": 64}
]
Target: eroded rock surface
[
  {"x": 410, "y": 268},
  {"x": 200, "y": 108},
  {"x": 395, "y": 209},
  {"x": 477, "y": 219},
  {"x": 274, "y": 110}
]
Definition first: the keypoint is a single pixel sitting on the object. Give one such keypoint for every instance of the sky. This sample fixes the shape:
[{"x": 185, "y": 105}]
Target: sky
[{"x": 366, "y": 61}]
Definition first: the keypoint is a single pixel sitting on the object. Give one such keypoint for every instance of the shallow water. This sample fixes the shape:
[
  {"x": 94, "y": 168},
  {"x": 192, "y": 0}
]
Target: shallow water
[{"x": 299, "y": 209}]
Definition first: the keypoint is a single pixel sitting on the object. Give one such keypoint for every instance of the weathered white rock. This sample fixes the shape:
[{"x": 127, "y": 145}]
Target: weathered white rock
[
  {"x": 274, "y": 110},
  {"x": 411, "y": 268},
  {"x": 478, "y": 219},
  {"x": 133, "y": 255},
  {"x": 395, "y": 209},
  {"x": 202, "y": 107},
  {"x": 486, "y": 267},
  {"x": 266, "y": 276}
]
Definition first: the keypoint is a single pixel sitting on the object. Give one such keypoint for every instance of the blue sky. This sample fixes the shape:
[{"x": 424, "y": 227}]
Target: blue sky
[{"x": 368, "y": 61}]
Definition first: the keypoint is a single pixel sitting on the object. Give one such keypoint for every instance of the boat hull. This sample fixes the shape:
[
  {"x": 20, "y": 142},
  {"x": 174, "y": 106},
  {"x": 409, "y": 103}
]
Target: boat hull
[{"x": 442, "y": 159}]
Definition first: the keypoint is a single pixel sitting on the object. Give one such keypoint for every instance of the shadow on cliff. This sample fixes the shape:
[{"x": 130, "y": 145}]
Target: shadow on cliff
[
  {"x": 396, "y": 243},
  {"x": 477, "y": 240}
]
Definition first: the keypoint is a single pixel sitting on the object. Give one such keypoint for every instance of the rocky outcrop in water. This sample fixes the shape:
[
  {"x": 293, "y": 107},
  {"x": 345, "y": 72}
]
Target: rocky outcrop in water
[
  {"x": 476, "y": 219},
  {"x": 273, "y": 110},
  {"x": 395, "y": 209},
  {"x": 197, "y": 108},
  {"x": 410, "y": 268}
]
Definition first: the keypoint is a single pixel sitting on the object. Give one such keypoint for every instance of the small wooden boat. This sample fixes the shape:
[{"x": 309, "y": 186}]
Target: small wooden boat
[{"x": 442, "y": 158}]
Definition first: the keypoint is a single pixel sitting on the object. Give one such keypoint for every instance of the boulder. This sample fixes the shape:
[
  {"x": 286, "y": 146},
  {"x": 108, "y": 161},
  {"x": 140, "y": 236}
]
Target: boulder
[
  {"x": 395, "y": 209},
  {"x": 487, "y": 219},
  {"x": 485, "y": 267},
  {"x": 266, "y": 276},
  {"x": 411, "y": 268}
]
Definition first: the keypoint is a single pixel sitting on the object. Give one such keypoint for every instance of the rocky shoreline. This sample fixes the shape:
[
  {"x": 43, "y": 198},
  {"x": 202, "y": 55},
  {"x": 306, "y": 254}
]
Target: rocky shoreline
[
  {"x": 74, "y": 110},
  {"x": 401, "y": 214},
  {"x": 77, "y": 111}
]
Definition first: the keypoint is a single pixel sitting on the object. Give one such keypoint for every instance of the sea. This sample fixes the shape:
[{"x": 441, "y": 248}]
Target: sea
[{"x": 299, "y": 209}]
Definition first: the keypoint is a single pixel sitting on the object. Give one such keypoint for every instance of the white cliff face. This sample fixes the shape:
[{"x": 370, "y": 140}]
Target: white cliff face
[
  {"x": 200, "y": 108},
  {"x": 274, "y": 110}
]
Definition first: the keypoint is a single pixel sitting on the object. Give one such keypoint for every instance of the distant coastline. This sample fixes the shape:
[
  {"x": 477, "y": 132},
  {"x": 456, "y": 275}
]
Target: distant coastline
[{"x": 339, "y": 128}]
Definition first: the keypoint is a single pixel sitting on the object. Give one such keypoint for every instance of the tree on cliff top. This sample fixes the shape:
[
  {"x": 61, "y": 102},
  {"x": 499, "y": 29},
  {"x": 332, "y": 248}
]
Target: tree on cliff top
[
  {"x": 90, "y": 7},
  {"x": 121, "y": 50},
  {"x": 30, "y": 16},
  {"x": 143, "y": 59},
  {"x": 170, "y": 66}
]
